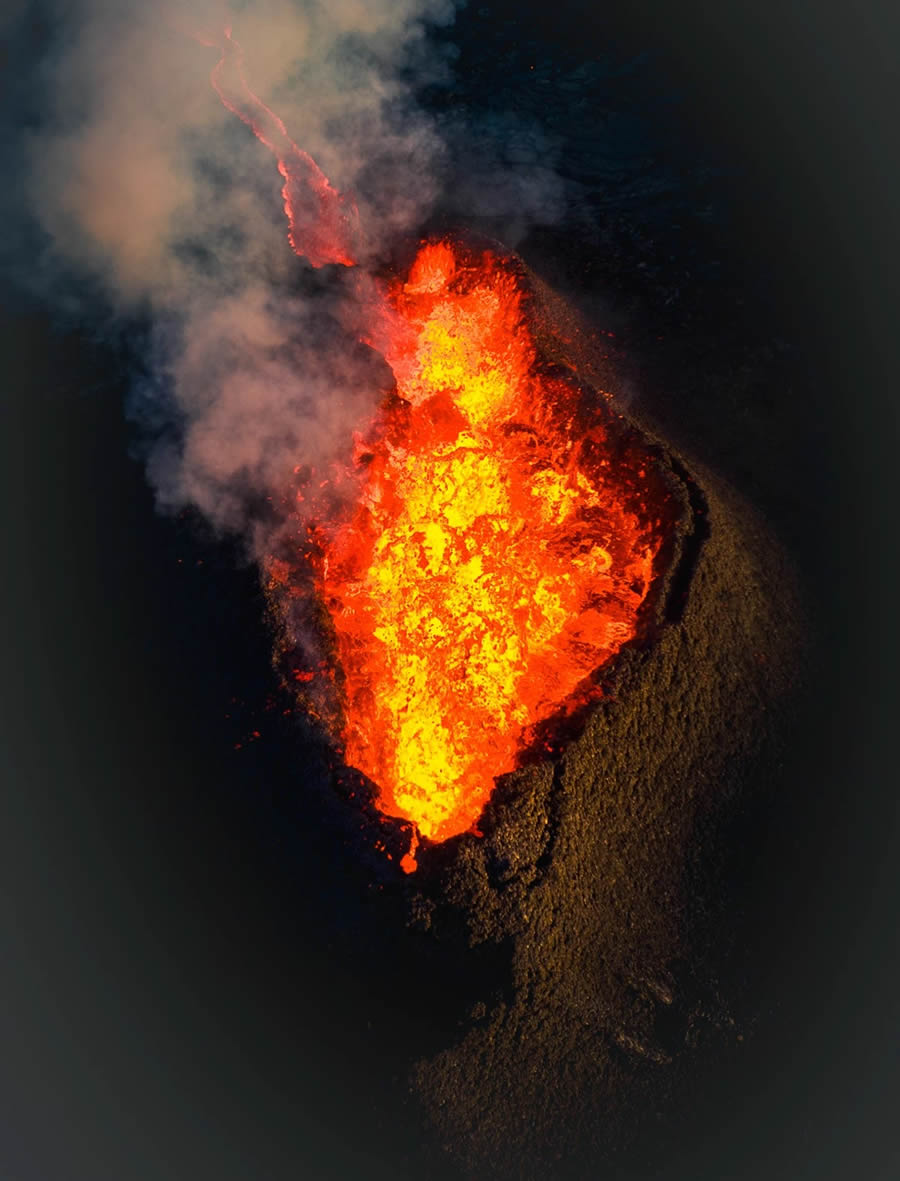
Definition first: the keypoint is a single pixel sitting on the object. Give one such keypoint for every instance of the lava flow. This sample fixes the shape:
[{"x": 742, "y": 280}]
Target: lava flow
[
  {"x": 493, "y": 558},
  {"x": 322, "y": 223}
]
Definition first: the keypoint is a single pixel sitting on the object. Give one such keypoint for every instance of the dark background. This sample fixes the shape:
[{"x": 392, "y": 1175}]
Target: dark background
[{"x": 181, "y": 998}]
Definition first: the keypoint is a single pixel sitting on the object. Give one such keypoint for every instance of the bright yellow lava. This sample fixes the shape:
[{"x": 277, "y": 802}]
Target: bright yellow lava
[{"x": 485, "y": 572}]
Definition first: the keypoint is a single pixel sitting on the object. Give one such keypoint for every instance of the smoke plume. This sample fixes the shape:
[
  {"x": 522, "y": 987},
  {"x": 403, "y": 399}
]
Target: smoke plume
[{"x": 144, "y": 181}]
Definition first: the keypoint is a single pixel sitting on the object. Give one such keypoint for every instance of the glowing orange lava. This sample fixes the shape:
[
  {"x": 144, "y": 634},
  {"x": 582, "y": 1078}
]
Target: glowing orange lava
[
  {"x": 490, "y": 564},
  {"x": 494, "y": 557}
]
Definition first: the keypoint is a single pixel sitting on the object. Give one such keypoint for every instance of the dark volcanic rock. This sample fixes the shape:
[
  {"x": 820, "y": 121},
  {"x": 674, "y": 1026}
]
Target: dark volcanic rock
[{"x": 596, "y": 872}]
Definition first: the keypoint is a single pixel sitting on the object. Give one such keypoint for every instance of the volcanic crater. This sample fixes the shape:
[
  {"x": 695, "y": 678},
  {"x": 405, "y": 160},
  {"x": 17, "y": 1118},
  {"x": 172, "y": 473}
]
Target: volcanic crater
[{"x": 591, "y": 867}]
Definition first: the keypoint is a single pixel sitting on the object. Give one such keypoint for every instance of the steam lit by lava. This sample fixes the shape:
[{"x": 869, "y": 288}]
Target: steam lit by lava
[{"x": 492, "y": 561}]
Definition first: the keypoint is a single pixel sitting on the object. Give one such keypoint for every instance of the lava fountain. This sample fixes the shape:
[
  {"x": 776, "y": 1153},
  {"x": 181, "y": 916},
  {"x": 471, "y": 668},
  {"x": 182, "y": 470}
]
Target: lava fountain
[{"x": 498, "y": 547}]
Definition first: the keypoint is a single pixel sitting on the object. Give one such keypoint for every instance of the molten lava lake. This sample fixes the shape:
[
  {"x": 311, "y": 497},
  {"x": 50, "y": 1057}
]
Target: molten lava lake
[{"x": 499, "y": 548}]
